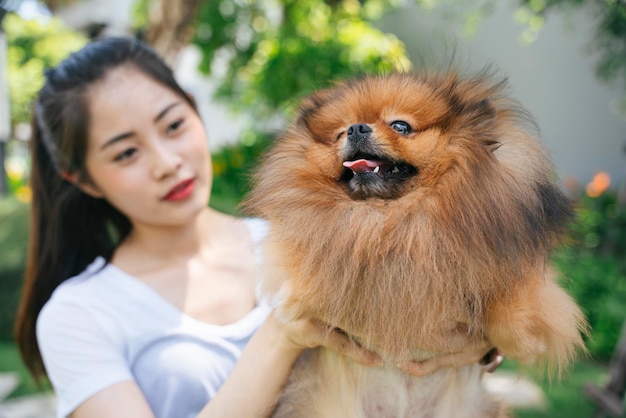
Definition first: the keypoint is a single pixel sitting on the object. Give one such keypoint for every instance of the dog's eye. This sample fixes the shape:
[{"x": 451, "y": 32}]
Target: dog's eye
[{"x": 401, "y": 127}]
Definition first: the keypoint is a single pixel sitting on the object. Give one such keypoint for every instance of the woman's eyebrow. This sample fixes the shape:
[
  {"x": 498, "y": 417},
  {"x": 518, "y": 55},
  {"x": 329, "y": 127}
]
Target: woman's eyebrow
[
  {"x": 164, "y": 111},
  {"x": 116, "y": 138},
  {"x": 126, "y": 135}
]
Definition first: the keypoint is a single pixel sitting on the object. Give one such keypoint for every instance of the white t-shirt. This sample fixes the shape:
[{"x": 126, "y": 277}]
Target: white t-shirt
[{"x": 104, "y": 327}]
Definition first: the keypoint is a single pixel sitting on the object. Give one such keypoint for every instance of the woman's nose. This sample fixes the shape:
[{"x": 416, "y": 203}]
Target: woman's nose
[{"x": 165, "y": 161}]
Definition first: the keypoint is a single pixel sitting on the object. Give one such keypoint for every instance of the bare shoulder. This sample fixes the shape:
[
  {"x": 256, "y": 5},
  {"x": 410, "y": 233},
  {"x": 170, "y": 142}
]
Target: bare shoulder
[{"x": 229, "y": 228}]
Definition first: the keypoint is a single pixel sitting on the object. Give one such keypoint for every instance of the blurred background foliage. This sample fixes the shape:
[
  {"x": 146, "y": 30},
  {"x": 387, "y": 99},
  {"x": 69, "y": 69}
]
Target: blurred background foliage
[
  {"x": 278, "y": 51},
  {"x": 34, "y": 45},
  {"x": 14, "y": 227},
  {"x": 593, "y": 264},
  {"x": 266, "y": 55}
]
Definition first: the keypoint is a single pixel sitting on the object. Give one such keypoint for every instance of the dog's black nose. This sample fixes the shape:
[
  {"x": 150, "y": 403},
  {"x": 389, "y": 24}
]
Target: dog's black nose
[{"x": 358, "y": 132}]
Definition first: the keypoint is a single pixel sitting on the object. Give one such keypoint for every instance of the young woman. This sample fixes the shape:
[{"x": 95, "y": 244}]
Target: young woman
[{"x": 139, "y": 300}]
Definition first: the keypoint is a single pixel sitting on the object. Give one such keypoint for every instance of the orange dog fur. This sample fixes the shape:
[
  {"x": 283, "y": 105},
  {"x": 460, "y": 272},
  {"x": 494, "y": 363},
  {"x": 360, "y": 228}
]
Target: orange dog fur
[{"x": 445, "y": 244}]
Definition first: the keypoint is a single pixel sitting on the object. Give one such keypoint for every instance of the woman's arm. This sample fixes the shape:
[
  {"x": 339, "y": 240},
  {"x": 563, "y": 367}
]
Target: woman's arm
[
  {"x": 260, "y": 374},
  {"x": 255, "y": 383},
  {"x": 257, "y": 379},
  {"x": 120, "y": 400}
]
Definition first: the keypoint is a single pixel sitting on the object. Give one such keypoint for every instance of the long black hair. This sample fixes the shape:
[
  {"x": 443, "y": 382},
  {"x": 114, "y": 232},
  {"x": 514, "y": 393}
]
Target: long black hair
[{"x": 69, "y": 228}]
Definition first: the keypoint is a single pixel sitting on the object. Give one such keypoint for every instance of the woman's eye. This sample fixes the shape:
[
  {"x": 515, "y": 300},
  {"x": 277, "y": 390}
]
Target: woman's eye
[
  {"x": 174, "y": 126},
  {"x": 126, "y": 154},
  {"x": 400, "y": 127}
]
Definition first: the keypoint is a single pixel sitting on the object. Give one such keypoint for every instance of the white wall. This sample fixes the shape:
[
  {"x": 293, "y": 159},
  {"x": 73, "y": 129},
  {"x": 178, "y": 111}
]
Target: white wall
[{"x": 553, "y": 78}]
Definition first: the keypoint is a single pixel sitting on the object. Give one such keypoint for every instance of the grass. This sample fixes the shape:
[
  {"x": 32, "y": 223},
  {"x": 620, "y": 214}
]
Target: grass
[
  {"x": 10, "y": 361},
  {"x": 566, "y": 399}
]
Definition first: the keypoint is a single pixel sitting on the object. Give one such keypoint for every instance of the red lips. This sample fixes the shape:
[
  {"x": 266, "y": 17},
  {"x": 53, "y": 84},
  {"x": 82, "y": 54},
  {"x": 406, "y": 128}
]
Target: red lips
[{"x": 181, "y": 191}]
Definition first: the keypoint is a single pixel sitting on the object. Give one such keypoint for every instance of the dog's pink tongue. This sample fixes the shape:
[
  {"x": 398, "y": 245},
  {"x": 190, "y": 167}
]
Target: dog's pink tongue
[{"x": 362, "y": 166}]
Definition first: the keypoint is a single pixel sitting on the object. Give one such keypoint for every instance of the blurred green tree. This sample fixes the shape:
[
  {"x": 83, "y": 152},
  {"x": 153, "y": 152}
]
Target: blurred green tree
[
  {"x": 259, "y": 37},
  {"x": 14, "y": 230},
  {"x": 34, "y": 45},
  {"x": 594, "y": 266},
  {"x": 268, "y": 54}
]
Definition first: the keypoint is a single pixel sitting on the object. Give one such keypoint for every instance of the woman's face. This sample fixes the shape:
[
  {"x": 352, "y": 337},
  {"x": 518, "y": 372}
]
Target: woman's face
[{"x": 147, "y": 153}]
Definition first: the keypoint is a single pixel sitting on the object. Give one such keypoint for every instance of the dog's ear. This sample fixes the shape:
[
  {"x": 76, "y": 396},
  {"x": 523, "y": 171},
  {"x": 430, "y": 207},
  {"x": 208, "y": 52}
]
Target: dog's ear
[
  {"x": 491, "y": 144},
  {"x": 480, "y": 116},
  {"x": 311, "y": 104}
]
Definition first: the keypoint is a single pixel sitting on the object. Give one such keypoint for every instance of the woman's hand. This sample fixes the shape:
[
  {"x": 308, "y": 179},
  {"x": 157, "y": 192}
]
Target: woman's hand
[
  {"x": 310, "y": 333},
  {"x": 488, "y": 357}
]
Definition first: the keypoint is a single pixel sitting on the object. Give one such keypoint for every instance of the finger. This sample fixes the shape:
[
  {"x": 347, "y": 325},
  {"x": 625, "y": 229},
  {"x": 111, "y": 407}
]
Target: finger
[
  {"x": 419, "y": 368},
  {"x": 431, "y": 365},
  {"x": 342, "y": 344}
]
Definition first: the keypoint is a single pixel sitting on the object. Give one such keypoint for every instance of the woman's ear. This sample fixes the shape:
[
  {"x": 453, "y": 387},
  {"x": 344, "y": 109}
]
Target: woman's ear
[
  {"x": 90, "y": 189},
  {"x": 83, "y": 186}
]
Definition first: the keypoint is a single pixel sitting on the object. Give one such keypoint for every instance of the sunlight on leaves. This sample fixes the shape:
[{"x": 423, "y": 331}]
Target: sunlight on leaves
[{"x": 34, "y": 45}]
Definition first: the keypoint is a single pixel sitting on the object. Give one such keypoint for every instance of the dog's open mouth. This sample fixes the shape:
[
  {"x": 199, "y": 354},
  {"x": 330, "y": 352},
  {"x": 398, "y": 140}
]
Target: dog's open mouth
[{"x": 368, "y": 175}]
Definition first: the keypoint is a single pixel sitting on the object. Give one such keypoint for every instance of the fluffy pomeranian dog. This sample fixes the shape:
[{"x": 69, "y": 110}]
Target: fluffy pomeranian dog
[{"x": 416, "y": 213}]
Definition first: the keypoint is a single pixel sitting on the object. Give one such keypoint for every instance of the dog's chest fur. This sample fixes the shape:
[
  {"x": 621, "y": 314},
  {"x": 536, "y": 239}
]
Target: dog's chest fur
[{"x": 326, "y": 385}]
